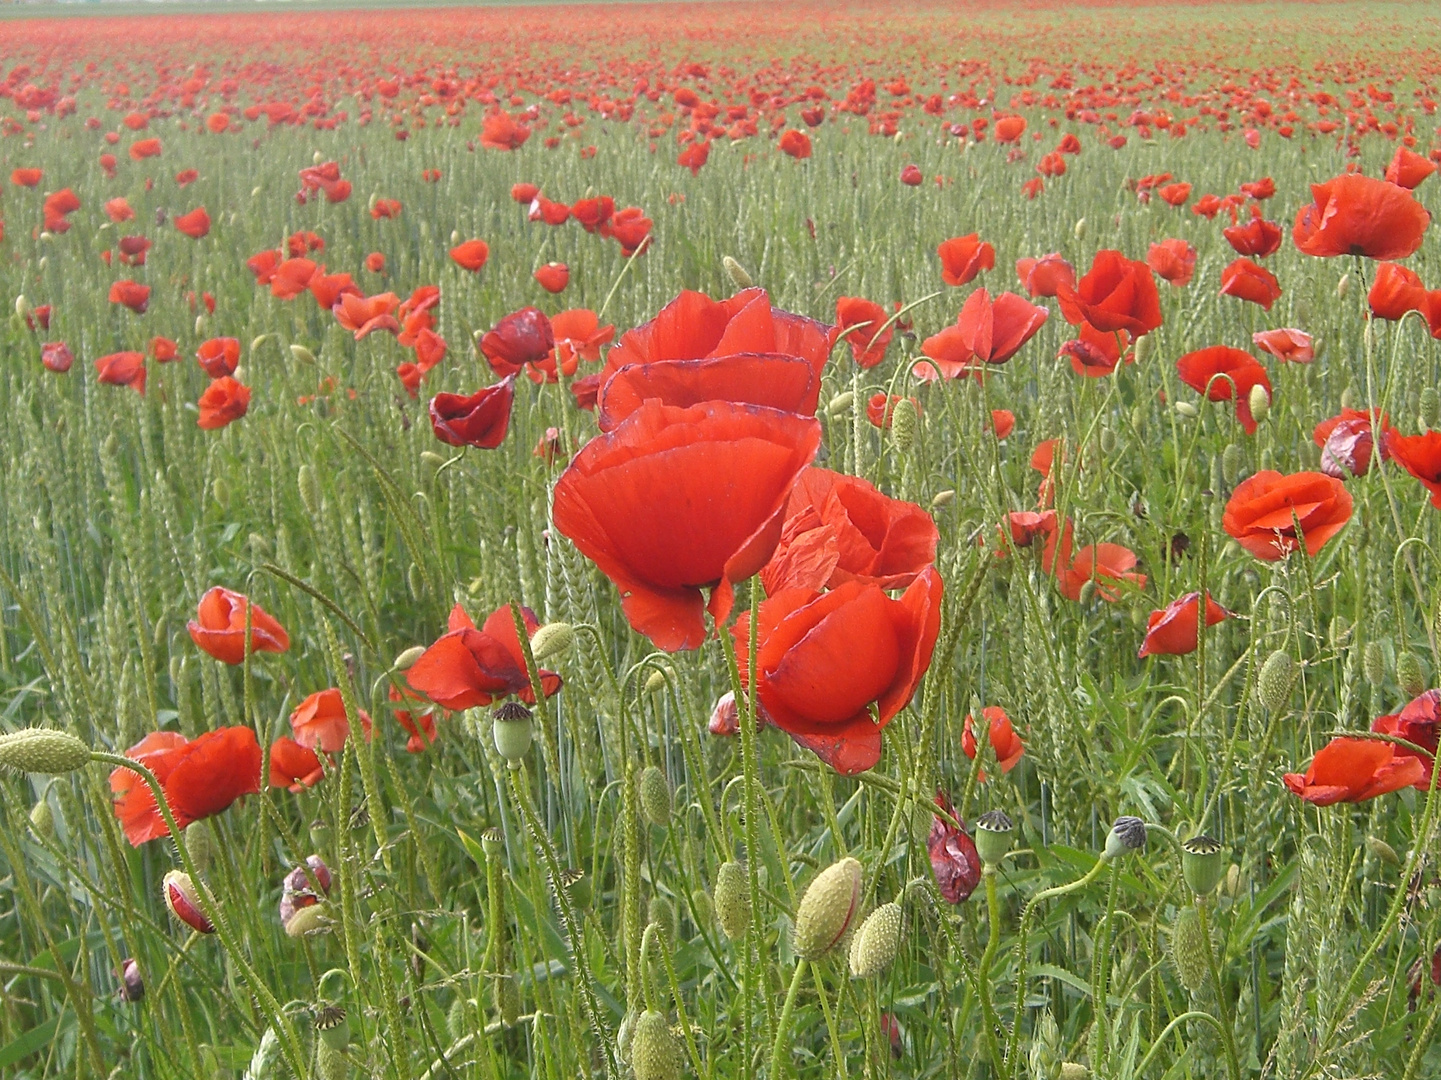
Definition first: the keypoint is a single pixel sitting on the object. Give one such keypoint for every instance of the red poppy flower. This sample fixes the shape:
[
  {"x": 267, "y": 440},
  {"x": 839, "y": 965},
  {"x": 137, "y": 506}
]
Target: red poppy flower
[
  {"x": 186, "y": 177},
  {"x": 224, "y": 400},
  {"x": 219, "y": 627},
  {"x": 824, "y": 659},
  {"x": 1419, "y": 455},
  {"x": 56, "y": 356},
  {"x": 430, "y": 349},
  {"x": 520, "y": 338},
  {"x": 1396, "y": 291},
  {"x": 194, "y": 224},
  {"x": 1286, "y": 344},
  {"x": 480, "y": 420},
  {"x": 1263, "y": 511},
  {"x": 320, "y": 723},
  {"x": 1354, "y": 770},
  {"x": 1259, "y": 190},
  {"x": 524, "y": 193},
  {"x": 365, "y": 314},
  {"x": 1246, "y": 280},
  {"x": 1115, "y": 294},
  {"x": 1408, "y": 168},
  {"x": 1003, "y": 422},
  {"x": 200, "y": 778},
  {"x": 1356, "y": 215},
  {"x": 467, "y": 668},
  {"x": 1104, "y": 565},
  {"x": 797, "y": 144},
  {"x": 1095, "y": 354},
  {"x": 133, "y": 249},
  {"x": 1223, "y": 373},
  {"x": 1173, "y": 260},
  {"x": 145, "y": 148},
  {"x": 1009, "y": 129},
  {"x": 123, "y": 369},
  {"x": 631, "y": 229},
  {"x": 994, "y": 331},
  {"x": 219, "y": 356},
  {"x": 375, "y": 262},
  {"x": 41, "y": 313},
  {"x": 419, "y": 724},
  {"x": 1420, "y": 723},
  {"x": 26, "y": 177},
  {"x": 131, "y": 294},
  {"x": 294, "y": 766},
  {"x": 881, "y": 409},
  {"x": 911, "y": 176},
  {"x": 1207, "y": 206},
  {"x": 1174, "y": 194},
  {"x": 723, "y": 472},
  {"x": 955, "y": 863},
  {"x": 963, "y": 257},
  {"x": 118, "y": 210},
  {"x": 860, "y": 322},
  {"x": 578, "y": 336},
  {"x": 292, "y": 277},
  {"x": 1005, "y": 743},
  {"x": 553, "y": 277},
  {"x": 410, "y": 376},
  {"x": 1172, "y": 631},
  {"x": 385, "y": 209},
  {"x": 593, "y": 213},
  {"x": 329, "y": 288},
  {"x": 1346, "y": 442},
  {"x": 552, "y": 213},
  {"x": 470, "y": 255},
  {"x": 1044, "y": 276},
  {"x": 1024, "y": 526},
  {"x": 786, "y": 383},
  {"x": 694, "y": 156},
  {"x": 1257, "y": 237}
]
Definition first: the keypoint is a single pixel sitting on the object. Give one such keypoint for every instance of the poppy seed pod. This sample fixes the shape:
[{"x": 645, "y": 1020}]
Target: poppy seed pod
[
  {"x": 994, "y": 831},
  {"x": 330, "y": 1064},
  {"x": 41, "y": 750},
  {"x": 183, "y": 900},
  {"x": 1127, "y": 835},
  {"x": 1260, "y": 402},
  {"x": 1409, "y": 674},
  {"x": 702, "y": 908},
  {"x": 875, "y": 943},
  {"x": 332, "y": 1027},
  {"x": 1188, "y": 949},
  {"x": 492, "y": 842},
  {"x": 828, "y": 908},
  {"x": 513, "y": 732},
  {"x": 1273, "y": 685},
  {"x": 737, "y": 273},
  {"x": 1202, "y": 864},
  {"x": 655, "y": 1054},
  {"x": 309, "y": 486},
  {"x": 552, "y": 639},
  {"x": 732, "y": 900},
  {"x": 655, "y": 796}
]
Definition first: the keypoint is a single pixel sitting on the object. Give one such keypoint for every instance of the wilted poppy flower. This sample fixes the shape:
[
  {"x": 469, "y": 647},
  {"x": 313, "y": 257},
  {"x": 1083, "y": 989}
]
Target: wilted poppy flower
[
  {"x": 860, "y": 322},
  {"x": 520, "y": 338},
  {"x": 1408, "y": 168},
  {"x": 131, "y": 294},
  {"x": 1115, "y": 294},
  {"x": 1356, "y": 215},
  {"x": 795, "y": 143},
  {"x": 1094, "y": 353},
  {"x": 218, "y": 356},
  {"x": 1347, "y": 440},
  {"x": 1247, "y": 280},
  {"x": 839, "y": 528},
  {"x": 1257, "y": 237},
  {"x": 824, "y": 659},
  {"x": 1005, "y": 743},
  {"x": 219, "y": 627},
  {"x": 1420, "y": 723},
  {"x": 963, "y": 257},
  {"x": 123, "y": 369},
  {"x": 1396, "y": 291},
  {"x": 200, "y": 778},
  {"x": 224, "y": 400},
  {"x": 786, "y": 383},
  {"x": 118, "y": 210},
  {"x": 955, "y": 863},
  {"x": 911, "y": 176},
  {"x": 194, "y": 224},
  {"x": 553, "y": 277},
  {"x": 1173, "y": 260},
  {"x": 467, "y": 668},
  {"x": 470, "y": 255},
  {"x": 1286, "y": 344},
  {"x": 320, "y": 722},
  {"x": 1263, "y": 511},
  {"x": 365, "y": 314},
  {"x": 1172, "y": 631},
  {"x": 1223, "y": 373},
  {"x": 145, "y": 148},
  {"x": 1354, "y": 770},
  {"x": 881, "y": 408},
  {"x": 1044, "y": 276},
  {"x": 1419, "y": 455},
  {"x": 56, "y": 356},
  {"x": 679, "y": 499},
  {"x": 26, "y": 177},
  {"x": 480, "y": 420},
  {"x": 293, "y": 766}
]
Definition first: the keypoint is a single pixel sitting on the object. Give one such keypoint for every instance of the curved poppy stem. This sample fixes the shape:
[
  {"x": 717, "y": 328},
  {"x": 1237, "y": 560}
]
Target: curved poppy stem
[
  {"x": 983, "y": 975},
  {"x": 1172, "y": 1026}
]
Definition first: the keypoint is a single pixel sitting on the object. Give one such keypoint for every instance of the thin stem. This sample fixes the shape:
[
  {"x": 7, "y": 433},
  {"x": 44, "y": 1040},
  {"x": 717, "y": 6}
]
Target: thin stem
[
  {"x": 783, "y": 1026},
  {"x": 1228, "y": 1033}
]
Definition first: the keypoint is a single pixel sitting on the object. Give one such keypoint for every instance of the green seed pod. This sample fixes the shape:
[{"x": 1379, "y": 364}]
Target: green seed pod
[
  {"x": 507, "y": 999},
  {"x": 42, "y": 819},
  {"x": 905, "y": 423},
  {"x": 655, "y": 1053},
  {"x": 1429, "y": 406},
  {"x": 1260, "y": 401},
  {"x": 1373, "y": 663},
  {"x": 1383, "y": 851},
  {"x": 702, "y": 909},
  {"x": 994, "y": 834},
  {"x": 1273, "y": 685},
  {"x": 552, "y": 639},
  {"x": 330, "y": 1064},
  {"x": 492, "y": 842},
  {"x": 302, "y": 354},
  {"x": 1138, "y": 419},
  {"x": 1410, "y": 674},
  {"x": 1202, "y": 864},
  {"x": 1233, "y": 462},
  {"x": 42, "y": 750},
  {"x": 875, "y": 943},
  {"x": 732, "y": 900},
  {"x": 513, "y": 732},
  {"x": 841, "y": 403},
  {"x": 1186, "y": 409},
  {"x": 1142, "y": 349},
  {"x": 737, "y": 273},
  {"x": 1127, "y": 836},
  {"x": 655, "y": 796},
  {"x": 309, "y": 490},
  {"x": 332, "y": 1027},
  {"x": 1188, "y": 949},
  {"x": 828, "y": 908}
]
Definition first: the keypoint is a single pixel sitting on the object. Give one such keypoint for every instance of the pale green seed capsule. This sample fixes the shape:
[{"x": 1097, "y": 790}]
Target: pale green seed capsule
[
  {"x": 1383, "y": 851},
  {"x": 42, "y": 819},
  {"x": 330, "y": 1064},
  {"x": 1373, "y": 663},
  {"x": 905, "y": 425},
  {"x": 309, "y": 486},
  {"x": 1430, "y": 406},
  {"x": 1202, "y": 864},
  {"x": 1233, "y": 462},
  {"x": 661, "y": 912},
  {"x": 41, "y": 750}
]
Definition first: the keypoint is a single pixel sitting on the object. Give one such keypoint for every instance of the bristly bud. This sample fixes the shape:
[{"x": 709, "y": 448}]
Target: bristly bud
[
  {"x": 875, "y": 943},
  {"x": 905, "y": 424},
  {"x": 1410, "y": 674},
  {"x": 201, "y": 844},
  {"x": 1233, "y": 461},
  {"x": 737, "y": 273},
  {"x": 1079, "y": 230},
  {"x": 1202, "y": 864},
  {"x": 1142, "y": 350},
  {"x": 702, "y": 908},
  {"x": 828, "y": 908},
  {"x": 655, "y": 683},
  {"x": 552, "y": 639},
  {"x": 655, "y": 1053},
  {"x": 308, "y": 920},
  {"x": 42, "y": 750},
  {"x": 132, "y": 984},
  {"x": 42, "y": 818},
  {"x": 1127, "y": 835},
  {"x": 258, "y": 341},
  {"x": 943, "y": 499},
  {"x": 1383, "y": 851},
  {"x": 513, "y": 732},
  {"x": 1373, "y": 663},
  {"x": 1429, "y": 407},
  {"x": 994, "y": 833},
  {"x": 406, "y": 660},
  {"x": 1073, "y": 1070},
  {"x": 330, "y": 1064},
  {"x": 1343, "y": 287},
  {"x": 841, "y": 403},
  {"x": 303, "y": 355},
  {"x": 309, "y": 486},
  {"x": 655, "y": 797},
  {"x": 1278, "y": 676},
  {"x": 183, "y": 900},
  {"x": 661, "y": 912},
  {"x": 332, "y": 1027},
  {"x": 732, "y": 900},
  {"x": 1186, "y": 409},
  {"x": 1260, "y": 401},
  {"x": 1188, "y": 949}
]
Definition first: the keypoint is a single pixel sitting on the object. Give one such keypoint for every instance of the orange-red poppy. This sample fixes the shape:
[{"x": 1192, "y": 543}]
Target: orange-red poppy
[
  {"x": 199, "y": 778},
  {"x": 1173, "y": 261},
  {"x": 56, "y": 356},
  {"x": 320, "y": 722},
  {"x": 467, "y": 668},
  {"x": 219, "y": 357},
  {"x": 194, "y": 224},
  {"x": 1408, "y": 168},
  {"x": 553, "y": 277},
  {"x": 1247, "y": 280},
  {"x": 1116, "y": 294},
  {"x": 470, "y": 255},
  {"x": 1173, "y": 630},
  {"x": 1419, "y": 455},
  {"x": 1000, "y": 733},
  {"x": 860, "y": 323},
  {"x": 1396, "y": 291},
  {"x": 1354, "y": 770},
  {"x": 223, "y": 401},
  {"x": 26, "y": 177},
  {"x": 1286, "y": 344},
  {"x": 1265, "y": 510},
  {"x": 1222, "y": 374},
  {"x": 796, "y": 144},
  {"x": 123, "y": 369},
  {"x": 1420, "y": 723},
  {"x": 1356, "y": 215},
  {"x": 1044, "y": 276},
  {"x": 787, "y": 383},
  {"x": 219, "y": 627},
  {"x": 963, "y": 257},
  {"x": 362, "y": 315}
]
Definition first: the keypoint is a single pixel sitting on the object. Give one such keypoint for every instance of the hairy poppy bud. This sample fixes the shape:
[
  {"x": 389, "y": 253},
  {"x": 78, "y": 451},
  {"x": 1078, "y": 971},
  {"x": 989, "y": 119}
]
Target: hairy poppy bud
[
  {"x": 183, "y": 900},
  {"x": 330, "y": 1064},
  {"x": 258, "y": 341},
  {"x": 828, "y": 908},
  {"x": 1142, "y": 350},
  {"x": 42, "y": 819},
  {"x": 655, "y": 796},
  {"x": 552, "y": 639},
  {"x": 874, "y": 946},
  {"x": 994, "y": 830},
  {"x": 1188, "y": 949},
  {"x": 513, "y": 732},
  {"x": 332, "y": 1027},
  {"x": 42, "y": 750},
  {"x": 431, "y": 458},
  {"x": 1430, "y": 406},
  {"x": 732, "y": 900},
  {"x": 655, "y": 1053},
  {"x": 943, "y": 499},
  {"x": 737, "y": 273},
  {"x": 132, "y": 984},
  {"x": 702, "y": 908},
  {"x": 507, "y": 999},
  {"x": 304, "y": 355},
  {"x": 1186, "y": 409},
  {"x": 905, "y": 422},
  {"x": 309, "y": 486},
  {"x": 1079, "y": 231},
  {"x": 1202, "y": 864},
  {"x": 22, "y": 306},
  {"x": 1410, "y": 674},
  {"x": 308, "y": 920},
  {"x": 1073, "y": 1070},
  {"x": 1382, "y": 850},
  {"x": 656, "y": 683},
  {"x": 661, "y": 912},
  {"x": 841, "y": 403},
  {"x": 1127, "y": 835},
  {"x": 1343, "y": 287},
  {"x": 198, "y": 839},
  {"x": 1260, "y": 401},
  {"x": 406, "y": 660},
  {"x": 1273, "y": 685},
  {"x": 1233, "y": 463},
  {"x": 1373, "y": 663},
  {"x": 1108, "y": 441}
]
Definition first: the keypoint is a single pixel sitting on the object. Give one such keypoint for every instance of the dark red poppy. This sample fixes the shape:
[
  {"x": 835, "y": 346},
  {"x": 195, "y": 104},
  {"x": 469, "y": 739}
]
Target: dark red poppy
[
  {"x": 1247, "y": 280},
  {"x": 1207, "y": 206},
  {"x": 131, "y": 294},
  {"x": 1044, "y": 276},
  {"x": 384, "y": 209},
  {"x": 200, "y": 778},
  {"x": 524, "y": 193},
  {"x": 219, "y": 356},
  {"x": 1258, "y": 237},
  {"x": 1396, "y": 291},
  {"x": 1024, "y": 527},
  {"x": 553, "y": 277},
  {"x": 123, "y": 369},
  {"x": 1263, "y": 511},
  {"x": 1419, "y": 455},
  {"x": 1222, "y": 374},
  {"x": 194, "y": 224},
  {"x": 1356, "y": 215},
  {"x": 520, "y": 338},
  {"x": 675, "y": 500},
  {"x": 1116, "y": 294},
  {"x": 1000, "y": 732},
  {"x": 864, "y": 327},
  {"x": 911, "y": 176},
  {"x": 480, "y": 420},
  {"x": 1173, "y": 260},
  {"x": 1347, "y": 440},
  {"x": 375, "y": 262},
  {"x": 470, "y": 255},
  {"x": 955, "y": 863},
  {"x": 1420, "y": 723},
  {"x": 1354, "y": 770},
  {"x": 56, "y": 356},
  {"x": 467, "y": 668},
  {"x": 1408, "y": 168},
  {"x": 133, "y": 249},
  {"x": 1286, "y": 344},
  {"x": 1259, "y": 190},
  {"x": 1172, "y": 631},
  {"x": 963, "y": 257},
  {"x": 223, "y": 402},
  {"x": 787, "y": 383}
]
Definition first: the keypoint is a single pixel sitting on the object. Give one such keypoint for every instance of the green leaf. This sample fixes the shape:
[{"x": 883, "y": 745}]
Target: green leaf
[{"x": 33, "y": 1040}]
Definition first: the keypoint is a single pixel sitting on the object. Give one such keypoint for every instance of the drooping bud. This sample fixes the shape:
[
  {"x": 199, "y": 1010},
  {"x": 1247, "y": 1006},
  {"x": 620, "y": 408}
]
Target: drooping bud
[
  {"x": 1373, "y": 663},
  {"x": 183, "y": 900},
  {"x": 303, "y": 355},
  {"x": 841, "y": 403},
  {"x": 905, "y": 423},
  {"x": 552, "y": 639},
  {"x": 309, "y": 485},
  {"x": 1343, "y": 287},
  {"x": 1260, "y": 401},
  {"x": 994, "y": 833},
  {"x": 655, "y": 796},
  {"x": 1233, "y": 461},
  {"x": 1079, "y": 231},
  {"x": 1108, "y": 441},
  {"x": 513, "y": 732},
  {"x": 258, "y": 341},
  {"x": 132, "y": 984},
  {"x": 332, "y": 1027},
  {"x": 737, "y": 273},
  {"x": 309, "y": 919},
  {"x": 943, "y": 499},
  {"x": 1383, "y": 851},
  {"x": 406, "y": 660},
  {"x": 1127, "y": 835},
  {"x": 43, "y": 750},
  {"x": 42, "y": 818},
  {"x": 1142, "y": 350},
  {"x": 875, "y": 943},
  {"x": 702, "y": 908},
  {"x": 1186, "y": 409},
  {"x": 1410, "y": 674},
  {"x": 655, "y": 1053},
  {"x": 660, "y": 911},
  {"x": 1188, "y": 949},
  {"x": 1273, "y": 685},
  {"x": 1202, "y": 864},
  {"x": 732, "y": 900},
  {"x": 656, "y": 683},
  {"x": 828, "y": 908}
]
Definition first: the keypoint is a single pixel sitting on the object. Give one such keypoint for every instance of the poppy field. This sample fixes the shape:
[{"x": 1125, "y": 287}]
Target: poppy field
[{"x": 721, "y": 540}]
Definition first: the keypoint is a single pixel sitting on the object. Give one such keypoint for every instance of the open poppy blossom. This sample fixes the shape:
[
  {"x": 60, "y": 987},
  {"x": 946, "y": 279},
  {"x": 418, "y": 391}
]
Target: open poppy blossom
[
  {"x": 1264, "y": 511},
  {"x": 578, "y": 336},
  {"x": 963, "y": 257},
  {"x": 118, "y": 210},
  {"x": 1347, "y": 440},
  {"x": 1000, "y": 733},
  {"x": 56, "y": 356},
  {"x": 385, "y": 209},
  {"x": 144, "y": 148},
  {"x": 1354, "y": 770},
  {"x": 1419, "y": 455},
  {"x": 786, "y": 383},
  {"x": 1246, "y": 280},
  {"x": 467, "y": 668},
  {"x": 219, "y": 627},
  {"x": 1105, "y": 566},
  {"x": 363, "y": 315},
  {"x": 1174, "y": 194},
  {"x": 1174, "y": 630},
  {"x": 1356, "y": 215},
  {"x": 123, "y": 369},
  {"x": 223, "y": 402},
  {"x": 1258, "y": 237},
  {"x": 1396, "y": 291},
  {"x": 194, "y": 224},
  {"x": 1116, "y": 294},
  {"x": 824, "y": 659},
  {"x": 1094, "y": 353},
  {"x": 520, "y": 338},
  {"x": 219, "y": 356},
  {"x": 26, "y": 177},
  {"x": 881, "y": 408},
  {"x": 1420, "y": 723},
  {"x": 593, "y": 214},
  {"x": 989, "y": 331},
  {"x": 293, "y": 766},
  {"x": 320, "y": 722},
  {"x": 796, "y": 144},
  {"x": 1003, "y": 422},
  {"x": 131, "y": 294},
  {"x": 480, "y": 420},
  {"x": 57, "y": 208},
  {"x": 1024, "y": 527},
  {"x": 1044, "y": 276},
  {"x": 1173, "y": 261},
  {"x": 292, "y": 277},
  {"x": 1222, "y": 374},
  {"x": 955, "y": 863},
  {"x": 470, "y": 255},
  {"x": 911, "y": 176},
  {"x": 328, "y": 289},
  {"x": 1287, "y": 345},
  {"x": 864, "y": 327},
  {"x": 723, "y": 473},
  {"x": 553, "y": 277},
  {"x": 199, "y": 777},
  {"x": 1408, "y": 168}
]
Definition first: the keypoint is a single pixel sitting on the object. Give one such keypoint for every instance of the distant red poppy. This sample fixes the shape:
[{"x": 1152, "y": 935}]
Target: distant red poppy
[
  {"x": 1174, "y": 194},
  {"x": 1104, "y": 565},
  {"x": 1173, "y": 260},
  {"x": 219, "y": 356},
  {"x": 500, "y": 132},
  {"x": 1207, "y": 206},
  {"x": 963, "y": 257},
  {"x": 631, "y": 230},
  {"x": 1396, "y": 291},
  {"x": 1044, "y": 276},
  {"x": 470, "y": 255},
  {"x": 1354, "y": 770},
  {"x": 726, "y": 472},
  {"x": 56, "y": 356},
  {"x": 1258, "y": 237},
  {"x": 292, "y": 277},
  {"x": 223, "y": 401},
  {"x": 520, "y": 338},
  {"x": 881, "y": 408},
  {"x": 1419, "y": 455},
  {"x": 133, "y": 249},
  {"x": 1024, "y": 527},
  {"x": 375, "y": 262},
  {"x": 1247, "y": 280},
  {"x": 1263, "y": 511},
  {"x": 217, "y": 123},
  {"x": 200, "y": 778},
  {"x": 1009, "y": 129},
  {"x": 123, "y": 369},
  {"x": 1005, "y": 743},
  {"x": 1347, "y": 440},
  {"x": 24, "y": 177},
  {"x": 524, "y": 193},
  {"x": 787, "y": 383},
  {"x": 1286, "y": 344},
  {"x": 552, "y": 213},
  {"x": 1003, "y": 422},
  {"x": 219, "y": 627},
  {"x": 262, "y": 264},
  {"x": 467, "y": 668},
  {"x": 480, "y": 420},
  {"x": 694, "y": 156},
  {"x": 1259, "y": 190},
  {"x": 553, "y": 277},
  {"x": 56, "y": 209},
  {"x": 1223, "y": 374},
  {"x": 860, "y": 322},
  {"x": 796, "y": 144},
  {"x": 186, "y": 177},
  {"x": 410, "y": 376},
  {"x": 430, "y": 349},
  {"x": 145, "y": 148},
  {"x": 955, "y": 863},
  {"x": 1172, "y": 631},
  {"x": 329, "y": 288},
  {"x": 1420, "y": 723},
  {"x": 594, "y": 214},
  {"x": 1115, "y": 294},
  {"x": 363, "y": 315},
  {"x": 385, "y": 208},
  {"x": 1356, "y": 215},
  {"x": 1408, "y": 168},
  {"x": 911, "y": 176},
  {"x": 118, "y": 210}
]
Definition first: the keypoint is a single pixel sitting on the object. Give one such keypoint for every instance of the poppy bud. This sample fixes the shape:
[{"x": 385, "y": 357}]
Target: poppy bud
[
  {"x": 199, "y": 325},
  {"x": 737, "y": 273},
  {"x": 1383, "y": 851},
  {"x": 1273, "y": 685},
  {"x": 492, "y": 842},
  {"x": 1079, "y": 232},
  {"x": 1073, "y": 1070},
  {"x": 827, "y": 909},
  {"x": 1127, "y": 835},
  {"x": 198, "y": 840},
  {"x": 994, "y": 831},
  {"x": 661, "y": 912},
  {"x": 256, "y": 342},
  {"x": 656, "y": 683},
  {"x": 132, "y": 985},
  {"x": 42, "y": 819},
  {"x": 406, "y": 660},
  {"x": 655, "y": 796},
  {"x": 1260, "y": 401},
  {"x": 943, "y": 499},
  {"x": 1232, "y": 464},
  {"x": 506, "y": 992},
  {"x": 43, "y": 750},
  {"x": 1108, "y": 441},
  {"x": 309, "y": 920},
  {"x": 1430, "y": 406},
  {"x": 702, "y": 908},
  {"x": 655, "y": 1053},
  {"x": 431, "y": 458},
  {"x": 1409, "y": 674},
  {"x": 183, "y": 900},
  {"x": 1138, "y": 419},
  {"x": 1186, "y": 409},
  {"x": 624, "y": 1035},
  {"x": 454, "y": 237},
  {"x": 330, "y": 1064},
  {"x": 309, "y": 490},
  {"x": 513, "y": 732},
  {"x": 1087, "y": 593},
  {"x": 1373, "y": 663},
  {"x": 1343, "y": 287},
  {"x": 1188, "y": 949},
  {"x": 732, "y": 900},
  {"x": 874, "y": 946},
  {"x": 841, "y": 403},
  {"x": 905, "y": 420},
  {"x": 302, "y": 354},
  {"x": 552, "y": 639},
  {"x": 1232, "y": 885},
  {"x": 1141, "y": 351},
  {"x": 1202, "y": 864}
]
